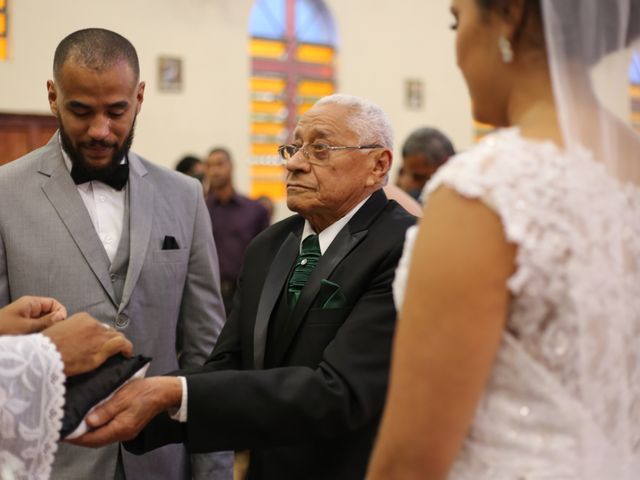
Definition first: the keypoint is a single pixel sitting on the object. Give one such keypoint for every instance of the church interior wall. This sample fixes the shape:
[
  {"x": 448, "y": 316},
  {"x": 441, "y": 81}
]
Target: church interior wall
[{"x": 381, "y": 45}]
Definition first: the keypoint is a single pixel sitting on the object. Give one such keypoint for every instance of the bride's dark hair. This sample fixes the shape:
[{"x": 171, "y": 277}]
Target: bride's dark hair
[{"x": 531, "y": 30}]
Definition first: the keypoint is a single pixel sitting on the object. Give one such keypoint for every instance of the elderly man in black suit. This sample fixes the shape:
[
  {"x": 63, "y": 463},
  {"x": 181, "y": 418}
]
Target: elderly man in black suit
[{"x": 300, "y": 371}]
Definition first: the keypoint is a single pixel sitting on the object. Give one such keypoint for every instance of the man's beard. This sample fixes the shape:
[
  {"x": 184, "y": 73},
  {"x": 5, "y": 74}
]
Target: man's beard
[{"x": 79, "y": 162}]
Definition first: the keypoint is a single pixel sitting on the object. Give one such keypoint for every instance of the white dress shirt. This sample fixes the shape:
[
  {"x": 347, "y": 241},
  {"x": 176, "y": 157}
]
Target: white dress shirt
[
  {"x": 329, "y": 234},
  {"x": 325, "y": 238},
  {"x": 106, "y": 209}
]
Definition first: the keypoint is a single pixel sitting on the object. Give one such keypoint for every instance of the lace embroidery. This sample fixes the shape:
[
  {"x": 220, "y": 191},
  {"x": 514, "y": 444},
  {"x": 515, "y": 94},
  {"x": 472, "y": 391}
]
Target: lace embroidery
[
  {"x": 31, "y": 403},
  {"x": 564, "y": 397}
]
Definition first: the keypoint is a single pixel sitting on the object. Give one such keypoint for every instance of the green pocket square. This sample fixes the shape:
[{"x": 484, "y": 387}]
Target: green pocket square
[{"x": 330, "y": 295}]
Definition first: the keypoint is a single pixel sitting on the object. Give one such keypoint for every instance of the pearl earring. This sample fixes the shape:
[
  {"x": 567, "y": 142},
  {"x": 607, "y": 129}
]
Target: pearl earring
[{"x": 504, "y": 45}]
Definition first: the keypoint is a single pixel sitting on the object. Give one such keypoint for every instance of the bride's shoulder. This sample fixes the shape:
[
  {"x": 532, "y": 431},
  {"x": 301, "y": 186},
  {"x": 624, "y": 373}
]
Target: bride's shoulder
[{"x": 503, "y": 159}]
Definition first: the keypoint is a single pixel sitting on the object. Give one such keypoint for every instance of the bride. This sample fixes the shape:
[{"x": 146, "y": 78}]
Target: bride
[{"x": 517, "y": 353}]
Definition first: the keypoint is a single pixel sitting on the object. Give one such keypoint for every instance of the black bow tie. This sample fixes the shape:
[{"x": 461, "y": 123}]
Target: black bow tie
[{"x": 117, "y": 180}]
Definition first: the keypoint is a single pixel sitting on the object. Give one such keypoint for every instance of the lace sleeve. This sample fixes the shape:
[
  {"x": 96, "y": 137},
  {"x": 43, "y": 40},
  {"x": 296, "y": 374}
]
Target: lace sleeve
[
  {"x": 31, "y": 402},
  {"x": 485, "y": 173},
  {"x": 524, "y": 183}
]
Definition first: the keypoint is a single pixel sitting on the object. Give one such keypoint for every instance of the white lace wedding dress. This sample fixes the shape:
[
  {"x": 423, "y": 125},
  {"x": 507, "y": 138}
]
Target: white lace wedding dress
[
  {"x": 563, "y": 400},
  {"x": 31, "y": 402}
]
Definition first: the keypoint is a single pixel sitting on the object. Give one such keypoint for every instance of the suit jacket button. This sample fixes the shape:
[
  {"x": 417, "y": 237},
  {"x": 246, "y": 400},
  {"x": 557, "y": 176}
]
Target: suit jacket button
[{"x": 122, "y": 321}]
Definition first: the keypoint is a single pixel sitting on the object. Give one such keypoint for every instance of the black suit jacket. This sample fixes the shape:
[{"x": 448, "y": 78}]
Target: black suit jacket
[{"x": 314, "y": 413}]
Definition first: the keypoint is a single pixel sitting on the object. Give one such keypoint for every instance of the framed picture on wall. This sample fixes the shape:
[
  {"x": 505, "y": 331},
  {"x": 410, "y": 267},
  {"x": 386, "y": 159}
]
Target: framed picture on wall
[
  {"x": 169, "y": 74},
  {"x": 414, "y": 94}
]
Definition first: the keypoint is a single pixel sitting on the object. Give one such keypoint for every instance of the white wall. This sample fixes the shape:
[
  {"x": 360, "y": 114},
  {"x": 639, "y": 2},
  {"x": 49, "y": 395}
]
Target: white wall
[{"x": 382, "y": 43}]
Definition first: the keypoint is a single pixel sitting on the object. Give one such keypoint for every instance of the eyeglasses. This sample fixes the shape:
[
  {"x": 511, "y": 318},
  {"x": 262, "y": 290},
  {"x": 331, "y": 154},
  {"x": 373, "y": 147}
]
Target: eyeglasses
[{"x": 316, "y": 152}]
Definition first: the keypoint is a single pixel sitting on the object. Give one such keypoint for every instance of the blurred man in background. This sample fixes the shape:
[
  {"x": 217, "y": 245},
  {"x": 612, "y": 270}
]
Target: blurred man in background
[
  {"x": 423, "y": 152},
  {"x": 236, "y": 219},
  {"x": 192, "y": 166}
]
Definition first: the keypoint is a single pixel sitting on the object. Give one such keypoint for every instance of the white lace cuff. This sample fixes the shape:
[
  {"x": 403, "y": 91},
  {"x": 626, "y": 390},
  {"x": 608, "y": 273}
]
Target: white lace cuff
[{"x": 31, "y": 405}]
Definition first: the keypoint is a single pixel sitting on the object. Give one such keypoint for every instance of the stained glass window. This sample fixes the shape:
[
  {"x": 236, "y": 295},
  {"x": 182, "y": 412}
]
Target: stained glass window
[
  {"x": 293, "y": 50},
  {"x": 634, "y": 90},
  {"x": 3, "y": 30}
]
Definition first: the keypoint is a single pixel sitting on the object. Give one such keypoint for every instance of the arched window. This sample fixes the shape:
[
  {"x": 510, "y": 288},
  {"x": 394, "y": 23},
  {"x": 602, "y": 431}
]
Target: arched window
[
  {"x": 634, "y": 90},
  {"x": 293, "y": 49},
  {"x": 3, "y": 30}
]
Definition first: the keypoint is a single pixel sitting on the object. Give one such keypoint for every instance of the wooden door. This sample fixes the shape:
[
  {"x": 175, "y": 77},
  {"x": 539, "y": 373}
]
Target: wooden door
[{"x": 19, "y": 134}]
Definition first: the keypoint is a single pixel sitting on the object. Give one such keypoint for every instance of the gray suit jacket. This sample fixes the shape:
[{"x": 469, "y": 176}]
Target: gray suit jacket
[{"x": 48, "y": 246}]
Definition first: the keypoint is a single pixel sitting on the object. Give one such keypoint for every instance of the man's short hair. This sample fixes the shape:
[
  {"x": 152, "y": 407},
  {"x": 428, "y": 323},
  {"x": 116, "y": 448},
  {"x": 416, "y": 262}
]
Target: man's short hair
[
  {"x": 222, "y": 150},
  {"x": 97, "y": 49},
  {"x": 186, "y": 164},
  {"x": 431, "y": 143},
  {"x": 366, "y": 119}
]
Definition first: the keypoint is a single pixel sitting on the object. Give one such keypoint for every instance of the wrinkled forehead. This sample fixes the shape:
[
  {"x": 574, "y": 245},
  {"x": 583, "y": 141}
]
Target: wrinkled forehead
[{"x": 326, "y": 122}]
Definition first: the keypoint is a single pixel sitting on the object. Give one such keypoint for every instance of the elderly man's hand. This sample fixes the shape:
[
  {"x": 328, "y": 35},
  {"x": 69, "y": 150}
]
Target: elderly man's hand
[
  {"x": 84, "y": 343},
  {"x": 30, "y": 315},
  {"x": 130, "y": 409}
]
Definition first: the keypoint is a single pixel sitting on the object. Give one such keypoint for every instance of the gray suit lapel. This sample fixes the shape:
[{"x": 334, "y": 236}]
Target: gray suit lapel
[
  {"x": 65, "y": 199},
  {"x": 273, "y": 283},
  {"x": 141, "y": 192}
]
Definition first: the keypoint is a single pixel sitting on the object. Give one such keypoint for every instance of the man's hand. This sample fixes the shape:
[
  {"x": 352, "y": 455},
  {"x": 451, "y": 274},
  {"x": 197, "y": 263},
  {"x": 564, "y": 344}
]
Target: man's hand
[
  {"x": 30, "y": 315},
  {"x": 130, "y": 409},
  {"x": 84, "y": 343}
]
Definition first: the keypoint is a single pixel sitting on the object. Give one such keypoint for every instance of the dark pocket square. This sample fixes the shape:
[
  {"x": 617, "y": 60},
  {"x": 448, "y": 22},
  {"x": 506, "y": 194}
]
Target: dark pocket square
[
  {"x": 85, "y": 391},
  {"x": 169, "y": 243},
  {"x": 330, "y": 295}
]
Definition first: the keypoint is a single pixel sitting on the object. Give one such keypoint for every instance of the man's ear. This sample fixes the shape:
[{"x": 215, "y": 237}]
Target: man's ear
[
  {"x": 52, "y": 95},
  {"x": 381, "y": 167},
  {"x": 140, "y": 96}
]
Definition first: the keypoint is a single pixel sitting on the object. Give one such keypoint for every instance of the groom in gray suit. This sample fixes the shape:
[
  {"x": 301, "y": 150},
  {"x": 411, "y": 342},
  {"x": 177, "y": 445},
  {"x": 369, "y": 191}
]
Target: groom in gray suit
[{"x": 90, "y": 223}]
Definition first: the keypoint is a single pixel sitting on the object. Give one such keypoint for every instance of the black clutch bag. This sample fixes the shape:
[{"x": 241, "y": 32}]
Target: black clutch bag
[{"x": 88, "y": 390}]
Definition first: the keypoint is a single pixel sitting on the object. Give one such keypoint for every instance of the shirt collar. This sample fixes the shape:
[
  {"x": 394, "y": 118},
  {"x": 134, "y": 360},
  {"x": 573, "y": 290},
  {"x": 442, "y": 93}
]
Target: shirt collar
[
  {"x": 234, "y": 198},
  {"x": 328, "y": 235}
]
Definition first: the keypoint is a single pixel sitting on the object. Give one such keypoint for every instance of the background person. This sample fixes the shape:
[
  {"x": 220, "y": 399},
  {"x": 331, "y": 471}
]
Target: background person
[
  {"x": 424, "y": 151},
  {"x": 192, "y": 166},
  {"x": 236, "y": 220}
]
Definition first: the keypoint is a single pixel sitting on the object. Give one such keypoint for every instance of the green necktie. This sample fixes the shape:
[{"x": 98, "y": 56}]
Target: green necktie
[{"x": 305, "y": 263}]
